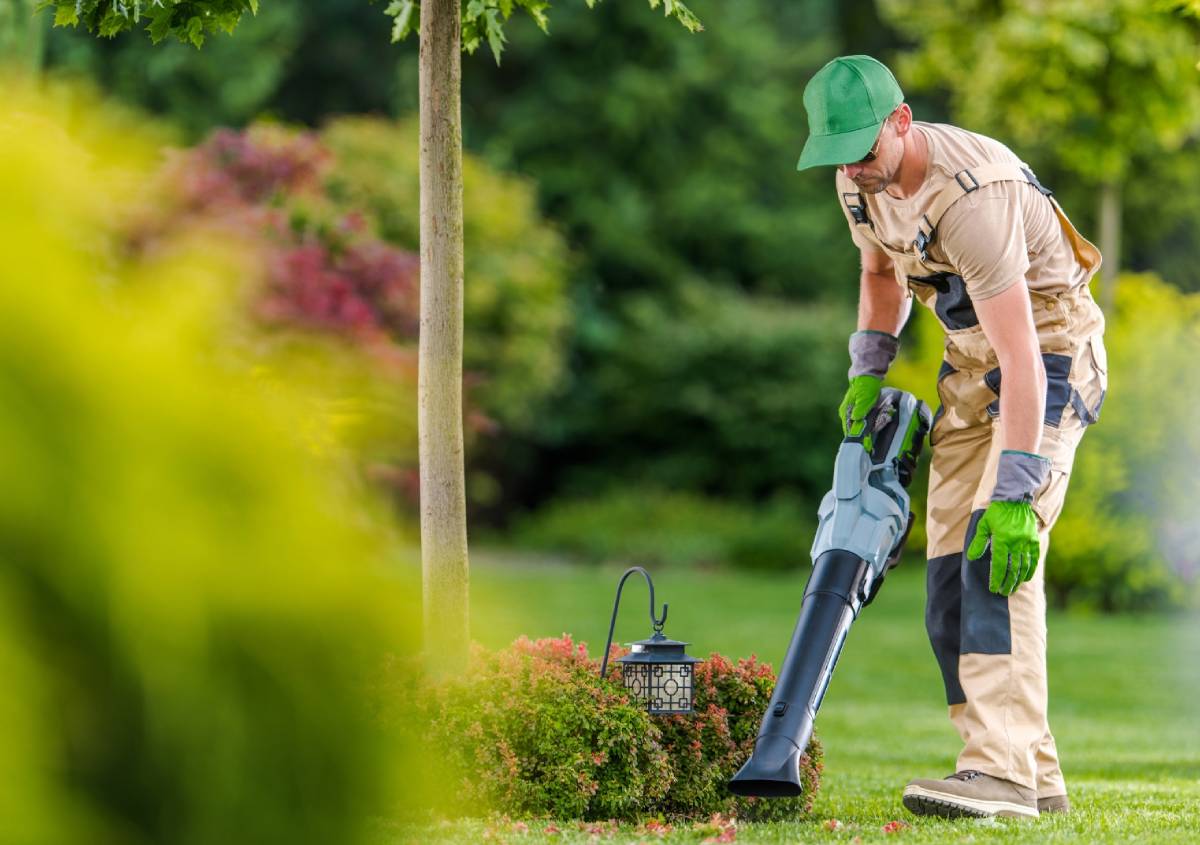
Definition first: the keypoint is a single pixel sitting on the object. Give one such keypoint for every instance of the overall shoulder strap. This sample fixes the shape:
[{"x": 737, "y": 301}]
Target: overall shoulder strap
[
  {"x": 857, "y": 208},
  {"x": 965, "y": 182}
]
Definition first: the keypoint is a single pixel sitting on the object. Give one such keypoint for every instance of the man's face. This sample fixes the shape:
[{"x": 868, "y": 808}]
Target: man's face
[{"x": 872, "y": 175}]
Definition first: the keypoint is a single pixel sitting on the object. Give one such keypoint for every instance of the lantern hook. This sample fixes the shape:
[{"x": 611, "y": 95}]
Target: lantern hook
[{"x": 656, "y": 621}]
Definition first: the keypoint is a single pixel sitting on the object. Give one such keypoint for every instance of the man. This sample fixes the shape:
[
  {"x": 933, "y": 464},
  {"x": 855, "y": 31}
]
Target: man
[{"x": 956, "y": 220}]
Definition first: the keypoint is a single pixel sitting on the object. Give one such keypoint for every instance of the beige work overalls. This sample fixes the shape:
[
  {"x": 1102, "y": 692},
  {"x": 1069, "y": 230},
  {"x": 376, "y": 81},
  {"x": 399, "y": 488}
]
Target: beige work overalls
[{"x": 992, "y": 648}]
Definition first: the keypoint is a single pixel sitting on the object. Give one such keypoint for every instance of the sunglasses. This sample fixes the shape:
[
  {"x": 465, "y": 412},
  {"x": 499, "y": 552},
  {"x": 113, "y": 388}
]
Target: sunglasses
[{"x": 873, "y": 153}]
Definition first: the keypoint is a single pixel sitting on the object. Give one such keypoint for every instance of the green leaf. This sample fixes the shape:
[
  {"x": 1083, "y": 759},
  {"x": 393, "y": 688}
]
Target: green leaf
[
  {"x": 495, "y": 33},
  {"x": 537, "y": 11},
  {"x": 681, "y": 13},
  {"x": 66, "y": 16},
  {"x": 160, "y": 25},
  {"x": 405, "y": 17},
  {"x": 193, "y": 32}
]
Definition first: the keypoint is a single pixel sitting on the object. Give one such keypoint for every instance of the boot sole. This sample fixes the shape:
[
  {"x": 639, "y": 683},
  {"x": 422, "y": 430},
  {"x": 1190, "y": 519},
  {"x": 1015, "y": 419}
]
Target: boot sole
[{"x": 927, "y": 802}]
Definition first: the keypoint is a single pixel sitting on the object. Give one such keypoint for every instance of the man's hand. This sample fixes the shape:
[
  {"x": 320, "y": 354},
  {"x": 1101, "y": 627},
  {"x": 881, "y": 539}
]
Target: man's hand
[
  {"x": 1009, "y": 521},
  {"x": 1012, "y": 529},
  {"x": 860, "y": 398}
]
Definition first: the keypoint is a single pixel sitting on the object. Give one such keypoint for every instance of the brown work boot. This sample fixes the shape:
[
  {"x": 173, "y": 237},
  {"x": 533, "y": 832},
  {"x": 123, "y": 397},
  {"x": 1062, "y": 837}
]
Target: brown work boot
[
  {"x": 1054, "y": 804},
  {"x": 969, "y": 793}
]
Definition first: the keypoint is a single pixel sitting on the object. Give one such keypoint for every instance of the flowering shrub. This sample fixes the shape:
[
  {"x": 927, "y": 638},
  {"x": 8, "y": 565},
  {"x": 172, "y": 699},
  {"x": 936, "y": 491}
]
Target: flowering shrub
[
  {"x": 323, "y": 269},
  {"x": 333, "y": 219},
  {"x": 533, "y": 731}
]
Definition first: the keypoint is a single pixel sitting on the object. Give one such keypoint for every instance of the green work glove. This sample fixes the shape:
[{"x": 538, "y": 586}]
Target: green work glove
[
  {"x": 1013, "y": 531},
  {"x": 1009, "y": 522},
  {"x": 860, "y": 398},
  {"x": 871, "y": 353}
]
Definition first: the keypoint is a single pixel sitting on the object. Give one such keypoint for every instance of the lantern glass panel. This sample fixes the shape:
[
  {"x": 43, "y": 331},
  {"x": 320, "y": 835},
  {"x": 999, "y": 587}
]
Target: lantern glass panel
[
  {"x": 636, "y": 678},
  {"x": 669, "y": 688}
]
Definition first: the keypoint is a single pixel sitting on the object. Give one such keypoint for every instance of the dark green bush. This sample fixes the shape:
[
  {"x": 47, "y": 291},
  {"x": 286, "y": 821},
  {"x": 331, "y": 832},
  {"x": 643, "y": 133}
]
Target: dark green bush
[
  {"x": 682, "y": 163},
  {"x": 712, "y": 391},
  {"x": 533, "y": 731},
  {"x": 661, "y": 528}
]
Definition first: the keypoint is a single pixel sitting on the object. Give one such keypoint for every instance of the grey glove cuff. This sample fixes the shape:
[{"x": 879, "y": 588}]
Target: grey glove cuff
[
  {"x": 1019, "y": 475},
  {"x": 872, "y": 352}
]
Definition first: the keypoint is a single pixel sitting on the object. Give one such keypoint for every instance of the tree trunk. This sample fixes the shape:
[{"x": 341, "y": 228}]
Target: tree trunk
[
  {"x": 1110, "y": 242},
  {"x": 22, "y": 36},
  {"x": 443, "y": 488}
]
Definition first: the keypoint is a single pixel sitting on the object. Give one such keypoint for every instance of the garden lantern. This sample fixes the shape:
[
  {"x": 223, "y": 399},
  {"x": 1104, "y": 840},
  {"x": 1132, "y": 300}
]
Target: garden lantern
[{"x": 657, "y": 672}]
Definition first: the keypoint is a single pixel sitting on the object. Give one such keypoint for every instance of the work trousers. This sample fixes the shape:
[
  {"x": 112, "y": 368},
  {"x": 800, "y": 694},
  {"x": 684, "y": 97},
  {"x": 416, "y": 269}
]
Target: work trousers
[{"x": 992, "y": 648}]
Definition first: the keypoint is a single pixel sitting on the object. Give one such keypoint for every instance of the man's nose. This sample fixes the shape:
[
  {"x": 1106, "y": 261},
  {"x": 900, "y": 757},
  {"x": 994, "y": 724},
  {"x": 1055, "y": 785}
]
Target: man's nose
[{"x": 851, "y": 170}]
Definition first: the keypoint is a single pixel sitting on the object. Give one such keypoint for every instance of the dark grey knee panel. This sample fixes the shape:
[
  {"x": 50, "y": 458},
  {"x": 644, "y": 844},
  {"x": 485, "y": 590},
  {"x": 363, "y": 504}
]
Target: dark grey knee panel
[
  {"x": 985, "y": 624},
  {"x": 943, "y": 604}
]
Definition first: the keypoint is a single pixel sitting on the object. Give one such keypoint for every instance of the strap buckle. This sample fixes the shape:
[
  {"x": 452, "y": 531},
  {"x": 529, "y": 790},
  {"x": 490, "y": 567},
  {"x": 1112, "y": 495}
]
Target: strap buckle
[
  {"x": 974, "y": 186},
  {"x": 856, "y": 207},
  {"x": 924, "y": 239},
  {"x": 1033, "y": 180}
]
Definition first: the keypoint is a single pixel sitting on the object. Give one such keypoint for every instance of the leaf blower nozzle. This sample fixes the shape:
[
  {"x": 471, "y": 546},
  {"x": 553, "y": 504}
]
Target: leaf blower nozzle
[{"x": 863, "y": 523}]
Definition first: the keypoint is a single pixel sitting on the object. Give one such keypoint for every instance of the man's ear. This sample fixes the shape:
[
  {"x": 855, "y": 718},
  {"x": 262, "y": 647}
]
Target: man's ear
[{"x": 901, "y": 118}]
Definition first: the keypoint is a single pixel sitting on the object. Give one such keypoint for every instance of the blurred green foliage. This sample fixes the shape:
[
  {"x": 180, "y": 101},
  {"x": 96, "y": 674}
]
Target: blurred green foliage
[
  {"x": 709, "y": 390},
  {"x": 294, "y": 60},
  {"x": 670, "y": 158},
  {"x": 194, "y": 595},
  {"x": 1103, "y": 83},
  {"x": 659, "y": 528}
]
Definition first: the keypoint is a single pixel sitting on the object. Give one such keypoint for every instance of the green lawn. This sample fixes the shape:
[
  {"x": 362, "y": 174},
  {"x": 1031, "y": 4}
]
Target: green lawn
[{"x": 1125, "y": 703}]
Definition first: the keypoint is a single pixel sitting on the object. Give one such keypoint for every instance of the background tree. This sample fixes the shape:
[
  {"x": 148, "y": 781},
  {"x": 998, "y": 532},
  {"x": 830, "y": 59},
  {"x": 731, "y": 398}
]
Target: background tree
[{"x": 1092, "y": 85}]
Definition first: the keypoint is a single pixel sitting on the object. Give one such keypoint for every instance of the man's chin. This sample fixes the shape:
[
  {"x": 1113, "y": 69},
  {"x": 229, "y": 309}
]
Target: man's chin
[{"x": 872, "y": 186}]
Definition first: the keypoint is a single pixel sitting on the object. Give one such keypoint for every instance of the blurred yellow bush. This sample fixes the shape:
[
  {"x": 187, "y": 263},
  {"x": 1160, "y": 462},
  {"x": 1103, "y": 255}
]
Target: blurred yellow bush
[{"x": 194, "y": 591}]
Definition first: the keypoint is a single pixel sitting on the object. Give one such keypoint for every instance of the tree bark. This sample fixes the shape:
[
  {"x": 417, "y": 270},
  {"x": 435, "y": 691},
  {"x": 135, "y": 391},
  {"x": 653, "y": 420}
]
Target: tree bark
[
  {"x": 443, "y": 489},
  {"x": 1110, "y": 242}
]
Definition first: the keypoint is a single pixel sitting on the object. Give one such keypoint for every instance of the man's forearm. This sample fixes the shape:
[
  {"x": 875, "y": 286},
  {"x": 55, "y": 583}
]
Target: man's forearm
[
  {"x": 1022, "y": 403},
  {"x": 883, "y": 306}
]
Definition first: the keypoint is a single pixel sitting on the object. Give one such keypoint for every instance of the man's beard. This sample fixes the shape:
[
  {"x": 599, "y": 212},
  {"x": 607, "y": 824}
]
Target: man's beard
[{"x": 874, "y": 185}]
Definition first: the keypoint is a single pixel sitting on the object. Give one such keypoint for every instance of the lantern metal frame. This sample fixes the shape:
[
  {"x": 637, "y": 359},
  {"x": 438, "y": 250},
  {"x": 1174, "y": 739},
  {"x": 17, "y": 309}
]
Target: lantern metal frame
[{"x": 657, "y": 671}]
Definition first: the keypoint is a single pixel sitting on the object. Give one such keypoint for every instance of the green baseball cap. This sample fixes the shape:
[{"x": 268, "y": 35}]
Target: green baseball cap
[{"x": 847, "y": 102}]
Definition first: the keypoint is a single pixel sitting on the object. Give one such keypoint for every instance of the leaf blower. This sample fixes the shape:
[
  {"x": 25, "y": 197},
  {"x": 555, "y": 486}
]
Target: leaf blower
[{"x": 863, "y": 523}]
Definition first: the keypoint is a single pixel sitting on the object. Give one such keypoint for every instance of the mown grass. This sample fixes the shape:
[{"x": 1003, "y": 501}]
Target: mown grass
[{"x": 1125, "y": 704}]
